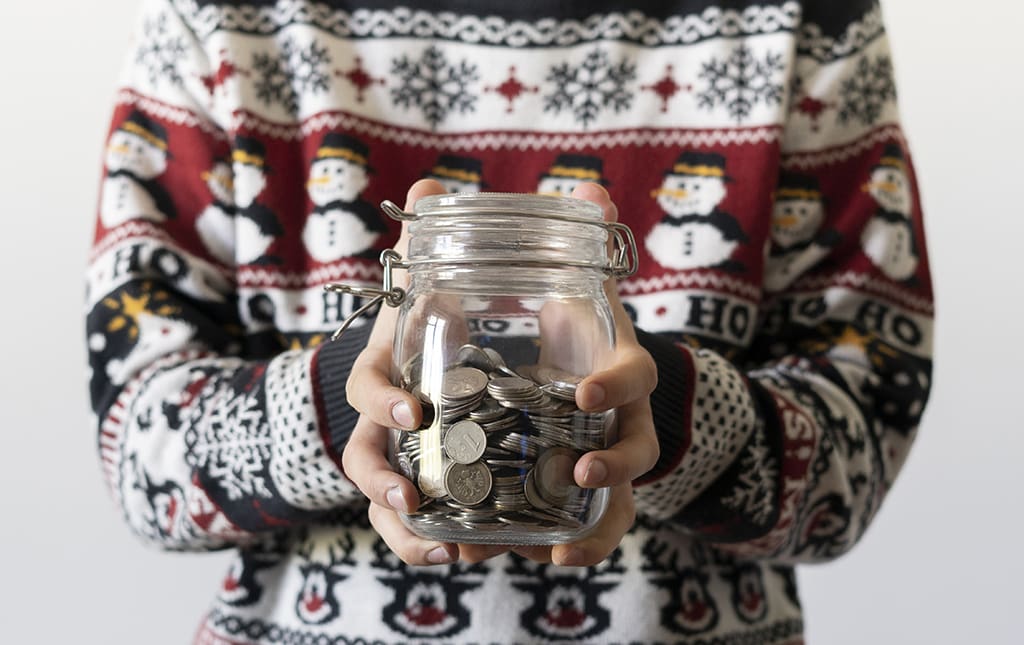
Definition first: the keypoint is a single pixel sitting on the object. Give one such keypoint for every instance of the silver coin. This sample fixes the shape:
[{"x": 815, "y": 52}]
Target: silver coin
[
  {"x": 430, "y": 486},
  {"x": 468, "y": 484},
  {"x": 465, "y": 442},
  {"x": 473, "y": 356},
  {"x": 532, "y": 494},
  {"x": 411, "y": 369},
  {"x": 557, "y": 377},
  {"x": 553, "y": 474},
  {"x": 496, "y": 359},
  {"x": 463, "y": 383}
]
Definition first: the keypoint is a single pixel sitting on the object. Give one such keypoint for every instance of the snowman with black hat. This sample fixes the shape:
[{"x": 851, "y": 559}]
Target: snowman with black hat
[
  {"x": 569, "y": 171},
  {"x": 255, "y": 226},
  {"x": 216, "y": 224},
  {"x": 136, "y": 155},
  {"x": 458, "y": 174},
  {"x": 798, "y": 241},
  {"x": 341, "y": 225},
  {"x": 694, "y": 233},
  {"x": 888, "y": 238}
]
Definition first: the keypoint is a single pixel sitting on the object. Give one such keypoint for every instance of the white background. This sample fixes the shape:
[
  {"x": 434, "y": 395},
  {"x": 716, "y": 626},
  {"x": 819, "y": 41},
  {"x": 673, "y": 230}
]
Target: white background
[{"x": 943, "y": 562}]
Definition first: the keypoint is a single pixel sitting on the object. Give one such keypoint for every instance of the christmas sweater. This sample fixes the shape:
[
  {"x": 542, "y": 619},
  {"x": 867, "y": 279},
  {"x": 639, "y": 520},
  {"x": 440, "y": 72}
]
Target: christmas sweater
[{"x": 754, "y": 149}]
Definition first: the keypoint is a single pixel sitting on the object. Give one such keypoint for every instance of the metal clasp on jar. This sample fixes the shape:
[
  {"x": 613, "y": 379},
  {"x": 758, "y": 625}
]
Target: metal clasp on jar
[
  {"x": 388, "y": 293},
  {"x": 622, "y": 263}
]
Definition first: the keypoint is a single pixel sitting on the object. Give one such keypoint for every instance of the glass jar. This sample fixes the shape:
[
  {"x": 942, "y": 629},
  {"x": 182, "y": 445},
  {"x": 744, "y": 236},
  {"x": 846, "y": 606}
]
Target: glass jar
[{"x": 504, "y": 316}]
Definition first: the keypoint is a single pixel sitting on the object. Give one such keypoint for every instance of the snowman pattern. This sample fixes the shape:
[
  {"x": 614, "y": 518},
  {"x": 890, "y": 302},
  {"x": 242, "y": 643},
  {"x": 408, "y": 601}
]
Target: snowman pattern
[
  {"x": 569, "y": 171},
  {"x": 216, "y": 224},
  {"x": 341, "y": 224},
  {"x": 458, "y": 174},
  {"x": 694, "y": 233},
  {"x": 798, "y": 241},
  {"x": 136, "y": 155},
  {"x": 255, "y": 226},
  {"x": 888, "y": 238}
]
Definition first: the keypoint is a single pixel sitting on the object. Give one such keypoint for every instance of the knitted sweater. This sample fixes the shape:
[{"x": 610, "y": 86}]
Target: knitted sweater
[{"x": 783, "y": 290}]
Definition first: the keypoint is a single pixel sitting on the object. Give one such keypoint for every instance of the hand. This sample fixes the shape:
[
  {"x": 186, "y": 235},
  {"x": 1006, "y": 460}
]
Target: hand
[{"x": 625, "y": 385}]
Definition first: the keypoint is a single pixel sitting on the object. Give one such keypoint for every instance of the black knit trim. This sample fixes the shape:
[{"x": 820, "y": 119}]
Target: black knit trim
[
  {"x": 670, "y": 405},
  {"x": 331, "y": 367}
]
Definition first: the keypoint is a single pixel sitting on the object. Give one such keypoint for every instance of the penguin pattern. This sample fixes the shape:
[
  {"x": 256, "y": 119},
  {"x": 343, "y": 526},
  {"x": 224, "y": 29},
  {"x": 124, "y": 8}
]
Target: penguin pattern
[
  {"x": 136, "y": 155},
  {"x": 694, "y": 233},
  {"x": 569, "y": 171},
  {"x": 888, "y": 239},
  {"x": 458, "y": 174},
  {"x": 341, "y": 224},
  {"x": 798, "y": 240}
]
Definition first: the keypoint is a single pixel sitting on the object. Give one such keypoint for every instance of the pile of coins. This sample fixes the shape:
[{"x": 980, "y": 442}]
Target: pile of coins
[{"x": 497, "y": 446}]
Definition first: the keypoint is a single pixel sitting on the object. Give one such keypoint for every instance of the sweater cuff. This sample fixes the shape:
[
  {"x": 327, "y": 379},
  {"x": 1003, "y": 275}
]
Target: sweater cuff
[
  {"x": 668, "y": 402},
  {"x": 332, "y": 364},
  {"x": 703, "y": 415}
]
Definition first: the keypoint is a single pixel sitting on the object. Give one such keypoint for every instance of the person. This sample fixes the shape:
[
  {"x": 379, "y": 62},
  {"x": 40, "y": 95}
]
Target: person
[{"x": 774, "y": 349}]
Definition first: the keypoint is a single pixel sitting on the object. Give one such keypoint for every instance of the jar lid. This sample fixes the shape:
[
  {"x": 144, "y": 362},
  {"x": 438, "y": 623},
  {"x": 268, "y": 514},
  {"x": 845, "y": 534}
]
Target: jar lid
[{"x": 514, "y": 229}]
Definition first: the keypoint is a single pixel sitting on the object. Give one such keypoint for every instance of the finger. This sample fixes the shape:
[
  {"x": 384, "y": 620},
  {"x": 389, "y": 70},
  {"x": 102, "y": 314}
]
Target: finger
[
  {"x": 596, "y": 193},
  {"x": 370, "y": 392},
  {"x": 421, "y": 189},
  {"x": 632, "y": 455},
  {"x": 599, "y": 544},
  {"x": 633, "y": 377},
  {"x": 473, "y": 553},
  {"x": 365, "y": 464},
  {"x": 539, "y": 554},
  {"x": 409, "y": 547}
]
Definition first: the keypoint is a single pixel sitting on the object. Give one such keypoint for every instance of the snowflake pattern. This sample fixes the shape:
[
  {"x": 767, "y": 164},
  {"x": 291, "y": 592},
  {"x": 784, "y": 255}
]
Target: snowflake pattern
[
  {"x": 590, "y": 87},
  {"x": 433, "y": 85},
  {"x": 865, "y": 93},
  {"x": 295, "y": 71},
  {"x": 754, "y": 495},
  {"x": 160, "y": 52},
  {"x": 741, "y": 81},
  {"x": 231, "y": 440}
]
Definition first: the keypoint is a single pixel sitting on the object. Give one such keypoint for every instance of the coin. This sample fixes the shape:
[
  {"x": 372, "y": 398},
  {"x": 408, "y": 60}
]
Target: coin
[
  {"x": 553, "y": 474},
  {"x": 496, "y": 358},
  {"x": 430, "y": 486},
  {"x": 468, "y": 484},
  {"x": 473, "y": 356},
  {"x": 465, "y": 442},
  {"x": 463, "y": 383}
]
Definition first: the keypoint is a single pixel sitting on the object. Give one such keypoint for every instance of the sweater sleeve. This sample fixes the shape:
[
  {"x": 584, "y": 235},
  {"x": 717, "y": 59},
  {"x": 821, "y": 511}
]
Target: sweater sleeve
[
  {"x": 208, "y": 433},
  {"x": 785, "y": 449}
]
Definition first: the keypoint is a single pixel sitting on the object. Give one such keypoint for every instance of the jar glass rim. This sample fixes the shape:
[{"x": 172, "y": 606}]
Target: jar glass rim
[{"x": 495, "y": 203}]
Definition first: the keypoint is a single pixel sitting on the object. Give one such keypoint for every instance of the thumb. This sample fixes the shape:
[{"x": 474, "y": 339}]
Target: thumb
[{"x": 419, "y": 190}]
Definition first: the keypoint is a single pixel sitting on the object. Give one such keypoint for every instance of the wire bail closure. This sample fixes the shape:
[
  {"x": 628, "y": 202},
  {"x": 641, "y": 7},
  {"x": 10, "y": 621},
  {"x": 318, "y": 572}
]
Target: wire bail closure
[
  {"x": 622, "y": 262},
  {"x": 388, "y": 294}
]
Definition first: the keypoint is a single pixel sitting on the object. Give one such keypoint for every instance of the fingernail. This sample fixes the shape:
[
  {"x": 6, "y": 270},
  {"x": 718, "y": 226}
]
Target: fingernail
[
  {"x": 573, "y": 558},
  {"x": 595, "y": 395},
  {"x": 596, "y": 473},
  {"x": 401, "y": 413},
  {"x": 396, "y": 500},
  {"x": 439, "y": 555}
]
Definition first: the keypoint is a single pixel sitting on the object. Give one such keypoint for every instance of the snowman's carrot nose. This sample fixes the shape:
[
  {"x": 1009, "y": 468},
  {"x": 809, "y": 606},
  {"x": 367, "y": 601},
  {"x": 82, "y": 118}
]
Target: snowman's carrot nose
[{"x": 678, "y": 193}]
